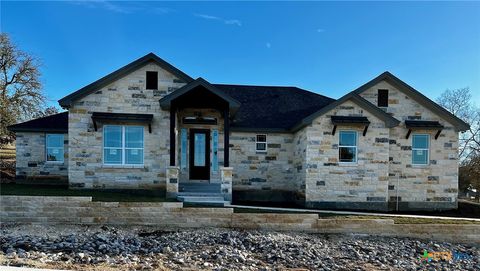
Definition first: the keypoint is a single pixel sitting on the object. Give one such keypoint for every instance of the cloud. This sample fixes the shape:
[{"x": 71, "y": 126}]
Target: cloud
[
  {"x": 268, "y": 45},
  {"x": 236, "y": 22},
  {"x": 219, "y": 19},
  {"x": 161, "y": 10},
  {"x": 320, "y": 30},
  {"x": 120, "y": 7},
  {"x": 207, "y": 17},
  {"x": 109, "y": 6}
]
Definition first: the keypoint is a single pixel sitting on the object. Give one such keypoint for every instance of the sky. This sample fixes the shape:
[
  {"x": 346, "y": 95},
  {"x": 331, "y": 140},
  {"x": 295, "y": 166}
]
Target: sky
[{"x": 326, "y": 47}]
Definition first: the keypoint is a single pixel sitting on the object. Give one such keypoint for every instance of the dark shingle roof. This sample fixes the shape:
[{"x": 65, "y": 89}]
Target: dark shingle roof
[
  {"x": 272, "y": 108},
  {"x": 53, "y": 123}
]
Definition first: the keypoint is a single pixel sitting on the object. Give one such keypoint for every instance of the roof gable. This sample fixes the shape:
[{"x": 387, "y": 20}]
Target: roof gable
[
  {"x": 458, "y": 123},
  {"x": 104, "y": 81},
  {"x": 389, "y": 120},
  {"x": 166, "y": 101}
]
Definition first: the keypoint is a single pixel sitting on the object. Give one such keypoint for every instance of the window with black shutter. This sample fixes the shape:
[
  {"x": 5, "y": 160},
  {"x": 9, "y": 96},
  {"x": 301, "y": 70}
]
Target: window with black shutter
[
  {"x": 152, "y": 80},
  {"x": 383, "y": 98}
]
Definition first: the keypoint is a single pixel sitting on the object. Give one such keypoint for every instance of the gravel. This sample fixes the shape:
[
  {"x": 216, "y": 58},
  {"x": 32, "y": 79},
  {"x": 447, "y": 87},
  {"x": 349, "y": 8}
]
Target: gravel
[{"x": 147, "y": 248}]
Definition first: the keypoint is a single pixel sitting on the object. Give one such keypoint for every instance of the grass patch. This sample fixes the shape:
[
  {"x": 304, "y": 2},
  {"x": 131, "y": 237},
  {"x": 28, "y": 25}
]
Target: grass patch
[{"x": 97, "y": 195}]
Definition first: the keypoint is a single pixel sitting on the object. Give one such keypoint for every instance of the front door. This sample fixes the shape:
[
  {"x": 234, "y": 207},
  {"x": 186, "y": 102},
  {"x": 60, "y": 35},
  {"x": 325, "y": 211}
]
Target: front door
[{"x": 199, "y": 154}]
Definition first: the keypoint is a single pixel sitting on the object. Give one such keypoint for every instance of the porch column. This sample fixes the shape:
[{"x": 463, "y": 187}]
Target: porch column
[
  {"x": 226, "y": 137},
  {"x": 172, "y": 136}
]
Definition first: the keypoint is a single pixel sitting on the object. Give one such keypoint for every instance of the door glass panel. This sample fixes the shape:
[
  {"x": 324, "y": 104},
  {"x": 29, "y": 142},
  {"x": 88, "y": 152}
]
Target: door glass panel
[
  {"x": 199, "y": 156},
  {"x": 183, "y": 149},
  {"x": 215, "y": 151}
]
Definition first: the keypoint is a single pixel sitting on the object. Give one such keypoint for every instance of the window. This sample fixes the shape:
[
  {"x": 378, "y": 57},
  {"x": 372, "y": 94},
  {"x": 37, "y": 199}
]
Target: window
[
  {"x": 54, "y": 147},
  {"x": 347, "y": 147},
  {"x": 123, "y": 145},
  {"x": 261, "y": 143},
  {"x": 420, "y": 145},
  {"x": 152, "y": 80},
  {"x": 382, "y": 100}
]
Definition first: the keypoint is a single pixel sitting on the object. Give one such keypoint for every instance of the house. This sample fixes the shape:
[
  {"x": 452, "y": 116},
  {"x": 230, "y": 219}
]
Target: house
[{"x": 148, "y": 125}]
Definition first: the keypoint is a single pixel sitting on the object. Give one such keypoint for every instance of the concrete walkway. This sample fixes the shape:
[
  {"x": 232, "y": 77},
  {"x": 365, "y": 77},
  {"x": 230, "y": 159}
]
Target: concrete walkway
[{"x": 348, "y": 212}]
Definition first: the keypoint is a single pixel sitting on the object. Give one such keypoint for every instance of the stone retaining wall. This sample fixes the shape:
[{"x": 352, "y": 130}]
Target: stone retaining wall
[{"x": 81, "y": 210}]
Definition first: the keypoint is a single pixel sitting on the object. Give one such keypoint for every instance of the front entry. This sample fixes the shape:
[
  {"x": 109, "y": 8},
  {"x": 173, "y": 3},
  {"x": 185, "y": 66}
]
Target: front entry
[{"x": 199, "y": 154}]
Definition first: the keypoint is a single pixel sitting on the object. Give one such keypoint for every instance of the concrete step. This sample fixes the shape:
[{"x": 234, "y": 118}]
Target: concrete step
[
  {"x": 200, "y": 194},
  {"x": 199, "y": 187},
  {"x": 203, "y": 200},
  {"x": 199, "y": 198}
]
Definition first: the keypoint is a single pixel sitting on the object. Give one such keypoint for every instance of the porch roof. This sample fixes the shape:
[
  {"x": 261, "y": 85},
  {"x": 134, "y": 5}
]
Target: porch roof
[
  {"x": 57, "y": 123},
  {"x": 199, "y": 93}
]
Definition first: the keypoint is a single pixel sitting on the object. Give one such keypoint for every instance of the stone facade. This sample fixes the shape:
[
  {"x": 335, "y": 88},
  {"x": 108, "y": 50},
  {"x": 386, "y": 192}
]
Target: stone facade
[
  {"x": 31, "y": 164},
  {"x": 126, "y": 95},
  {"x": 300, "y": 166},
  {"x": 333, "y": 184},
  {"x": 419, "y": 187},
  {"x": 262, "y": 176}
]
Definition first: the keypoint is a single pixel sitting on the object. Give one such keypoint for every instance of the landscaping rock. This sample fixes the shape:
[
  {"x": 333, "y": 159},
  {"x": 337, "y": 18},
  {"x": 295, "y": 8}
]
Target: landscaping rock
[{"x": 221, "y": 249}]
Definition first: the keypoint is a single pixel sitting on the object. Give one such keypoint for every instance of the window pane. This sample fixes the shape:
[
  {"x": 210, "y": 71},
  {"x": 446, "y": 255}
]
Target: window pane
[
  {"x": 419, "y": 157},
  {"x": 133, "y": 156},
  {"x": 199, "y": 152},
  {"x": 348, "y": 154},
  {"x": 54, "y": 141},
  {"x": 348, "y": 138},
  {"x": 55, "y": 154},
  {"x": 420, "y": 141},
  {"x": 261, "y": 146},
  {"x": 133, "y": 137},
  {"x": 261, "y": 138},
  {"x": 113, "y": 136},
  {"x": 112, "y": 156}
]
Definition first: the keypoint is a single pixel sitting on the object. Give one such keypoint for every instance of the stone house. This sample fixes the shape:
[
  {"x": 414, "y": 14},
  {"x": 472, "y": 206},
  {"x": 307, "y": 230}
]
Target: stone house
[{"x": 148, "y": 125}]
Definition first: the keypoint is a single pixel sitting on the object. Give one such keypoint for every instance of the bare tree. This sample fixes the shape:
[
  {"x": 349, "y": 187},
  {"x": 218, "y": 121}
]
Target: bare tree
[
  {"x": 21, "y": 95},
  {"x": 459, "y": 102}
]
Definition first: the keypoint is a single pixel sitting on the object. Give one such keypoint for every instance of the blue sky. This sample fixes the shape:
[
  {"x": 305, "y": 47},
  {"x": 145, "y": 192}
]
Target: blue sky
[{"x": 326, "y": 47}]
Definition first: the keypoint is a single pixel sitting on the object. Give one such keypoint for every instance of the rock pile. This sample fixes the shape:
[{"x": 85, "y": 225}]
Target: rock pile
[{"x": 220, "y": 249}]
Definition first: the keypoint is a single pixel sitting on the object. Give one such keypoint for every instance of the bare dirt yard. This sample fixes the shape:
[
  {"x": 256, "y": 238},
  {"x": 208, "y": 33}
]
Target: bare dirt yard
[{"x": 149, "y": 248}]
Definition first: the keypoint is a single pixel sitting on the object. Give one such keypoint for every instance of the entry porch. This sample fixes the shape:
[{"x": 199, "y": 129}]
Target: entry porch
[{"x": 199, "y": 165}]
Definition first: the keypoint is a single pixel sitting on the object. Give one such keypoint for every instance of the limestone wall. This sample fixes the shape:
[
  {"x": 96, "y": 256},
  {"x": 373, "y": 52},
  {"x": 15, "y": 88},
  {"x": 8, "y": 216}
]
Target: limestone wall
[
  {"x": 332, "y": 184},
  {"x": 172, "y": 215},
  {"x": 262, "y": 176},
  {"x": 31, "y": 164},
  {"x": 126, "y": 95},
  {"x": 419, "y": 187},
  {"x": 300, "y": 164}
]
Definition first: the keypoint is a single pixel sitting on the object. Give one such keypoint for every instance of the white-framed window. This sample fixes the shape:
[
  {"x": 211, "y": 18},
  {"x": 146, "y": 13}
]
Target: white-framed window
[
  {"x": 122, "y": 145},
  {"x": 420, "y": 149},
  {"x": 261, "y": 143},
  {"x": 347, "y": 146},
  {"x": 54, "y": 147}
]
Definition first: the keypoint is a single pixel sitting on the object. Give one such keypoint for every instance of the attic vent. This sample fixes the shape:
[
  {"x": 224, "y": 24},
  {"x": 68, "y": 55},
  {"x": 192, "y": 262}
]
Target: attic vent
[{"x": 152, "y": 80}]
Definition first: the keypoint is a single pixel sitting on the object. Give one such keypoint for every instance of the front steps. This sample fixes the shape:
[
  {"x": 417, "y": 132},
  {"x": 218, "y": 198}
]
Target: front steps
[{"x": 201, "y": 194}]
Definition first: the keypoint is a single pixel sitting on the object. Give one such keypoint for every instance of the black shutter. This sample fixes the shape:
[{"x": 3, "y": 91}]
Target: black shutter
[
  {"x": 152, "y": 80},
  {"x": 383, "y": 97}
]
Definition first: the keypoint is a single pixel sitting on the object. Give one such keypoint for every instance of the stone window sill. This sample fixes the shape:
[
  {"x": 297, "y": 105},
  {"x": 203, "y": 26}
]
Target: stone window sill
[
  {"x": 346, "y": 164},
  {"x": 57, "y": 163},
  {"x": 124, "y": 166}
]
